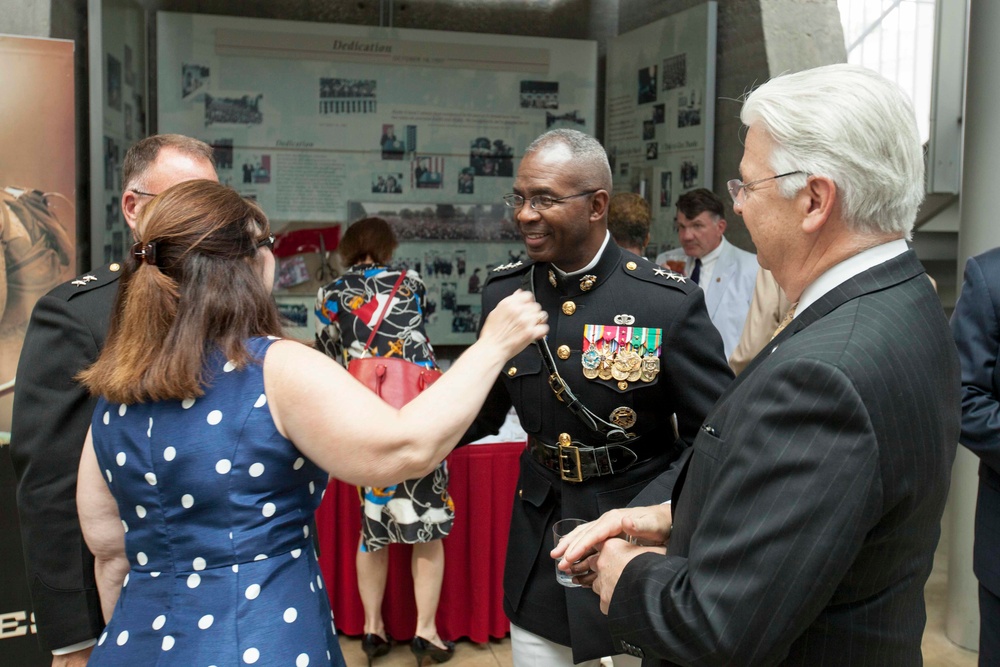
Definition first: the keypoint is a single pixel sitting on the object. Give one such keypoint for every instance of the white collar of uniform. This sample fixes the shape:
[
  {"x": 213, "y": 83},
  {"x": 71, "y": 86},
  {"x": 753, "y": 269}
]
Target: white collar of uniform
[
  {"x": 592, "y": 264},
  {"x": 850, "y": 267}
]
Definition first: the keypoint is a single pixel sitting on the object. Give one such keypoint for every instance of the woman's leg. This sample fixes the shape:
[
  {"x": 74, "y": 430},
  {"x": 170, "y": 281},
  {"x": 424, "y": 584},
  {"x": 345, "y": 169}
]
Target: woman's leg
[
  {"x": 373, "y": 568},
  {"x": 428, "y": 573}
]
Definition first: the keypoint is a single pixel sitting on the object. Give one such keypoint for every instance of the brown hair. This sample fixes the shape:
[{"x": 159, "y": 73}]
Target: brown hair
[
  {"x": 368, "y": 237},
  {"x": 192, "y": 285},
  {"x": 142, "y": 154},
  {"x": 629, "y": 219},
  {"x": 694, "y": 203}
]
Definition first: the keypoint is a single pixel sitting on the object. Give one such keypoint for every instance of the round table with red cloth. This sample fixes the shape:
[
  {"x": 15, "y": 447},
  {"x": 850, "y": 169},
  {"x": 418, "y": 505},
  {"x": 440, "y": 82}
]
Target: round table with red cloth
[{"x": 483, "y": 479}]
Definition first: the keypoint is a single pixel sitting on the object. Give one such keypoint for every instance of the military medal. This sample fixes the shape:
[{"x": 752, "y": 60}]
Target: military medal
[
  {"x": 591, "y": 358},
  {"x": 650, "y": 365},
  {"x": 624, "y": 417}
]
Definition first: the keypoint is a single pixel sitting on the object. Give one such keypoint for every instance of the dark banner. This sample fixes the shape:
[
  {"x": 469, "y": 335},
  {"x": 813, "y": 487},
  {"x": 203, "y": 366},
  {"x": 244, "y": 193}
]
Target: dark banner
[{"x": 18, "y": 644}]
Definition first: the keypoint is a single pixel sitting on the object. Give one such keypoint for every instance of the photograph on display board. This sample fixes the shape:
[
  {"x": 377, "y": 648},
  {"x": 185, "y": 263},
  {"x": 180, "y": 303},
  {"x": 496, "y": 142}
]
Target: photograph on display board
[
  {"x": 647, "y": 85},
  {"x": 127, "y": 113},
  {"x": 111, "y": 171},
  {"x": 388, "y": 183},
  {"x": 129, "y": 67},
  {"x": 466, "y": 181},
  {"x": 539, "y": 94},
  {"x": 675, "y": 71},
  {"x": 427, "y": 172},
  {"x": 666, "y": 189},
  {"x": 648, "y": 130},
  {"x": 140, "y": 116},
  {"x": 688, "y": 109},
  {"x": 222, "y": 150},
  {"x": 392, "y": 147},
  {"x": 491, "y": 158},
  {"x": 689, "y": 174},
  {"x": 347, "y": 96},
  {"x": 297, "y": 318},
  {"x": 243, "y": 110},
  {"x": 194, "y": 77},
  {"x": 659, "y": 114},
  {"x": 570, "y": 119},
  {"x": 114, "y": 86},
  {"x": 262, "y": 169}
]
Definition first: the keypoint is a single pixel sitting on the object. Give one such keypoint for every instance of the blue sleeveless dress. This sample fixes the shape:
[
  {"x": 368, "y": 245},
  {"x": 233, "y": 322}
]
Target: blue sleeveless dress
[{"x": 217, "y": 509}]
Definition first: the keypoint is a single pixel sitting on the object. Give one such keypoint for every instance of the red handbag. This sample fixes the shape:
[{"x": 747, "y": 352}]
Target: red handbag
[{"x": 396, "y": 381}]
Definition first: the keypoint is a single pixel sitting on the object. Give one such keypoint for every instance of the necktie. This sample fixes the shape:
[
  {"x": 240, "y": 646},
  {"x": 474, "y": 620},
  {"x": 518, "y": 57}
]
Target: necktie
[
  {"x": 785, "y": 321},
  {"x": 696, "y": 272}
]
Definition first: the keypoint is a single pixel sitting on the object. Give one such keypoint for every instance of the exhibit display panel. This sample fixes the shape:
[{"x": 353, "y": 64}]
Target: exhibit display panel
[
  {"x": 660, "y": 112},
  {"x": 38, "y": 240},
  {"x": 308, "y": 118}
]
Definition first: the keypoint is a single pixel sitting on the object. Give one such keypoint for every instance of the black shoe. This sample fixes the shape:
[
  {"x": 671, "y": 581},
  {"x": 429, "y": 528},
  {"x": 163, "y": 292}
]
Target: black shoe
[
  {"x": 374, "y": 647},
  {"x": 421, "y": 647}
]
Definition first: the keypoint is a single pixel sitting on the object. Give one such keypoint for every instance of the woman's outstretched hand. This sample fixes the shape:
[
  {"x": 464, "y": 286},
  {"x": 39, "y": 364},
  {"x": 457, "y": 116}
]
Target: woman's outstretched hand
[{"x": 514, "y": 323}]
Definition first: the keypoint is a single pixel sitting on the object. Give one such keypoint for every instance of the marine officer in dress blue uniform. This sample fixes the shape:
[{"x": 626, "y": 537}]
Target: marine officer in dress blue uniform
[
  {"x": 609, "y": 400},
  {"x": 52, "y": 412}
]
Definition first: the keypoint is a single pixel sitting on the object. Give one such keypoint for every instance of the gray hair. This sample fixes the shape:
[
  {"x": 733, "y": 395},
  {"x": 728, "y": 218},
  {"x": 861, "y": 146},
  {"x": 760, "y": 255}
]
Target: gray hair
[
  {"x": 852, "y": 125},
  {"x": 586, "y": 151}
]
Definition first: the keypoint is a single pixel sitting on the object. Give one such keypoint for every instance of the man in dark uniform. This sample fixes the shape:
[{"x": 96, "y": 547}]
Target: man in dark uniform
[
  {"x": 632, "y": 342},
  {"x": 52, "y": 413}
]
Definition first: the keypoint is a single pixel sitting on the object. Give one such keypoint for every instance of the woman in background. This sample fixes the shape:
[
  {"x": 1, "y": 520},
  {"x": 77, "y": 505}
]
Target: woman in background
[
  {"x": 210, "y": 445},
  {"x": 418, "y": 511}
]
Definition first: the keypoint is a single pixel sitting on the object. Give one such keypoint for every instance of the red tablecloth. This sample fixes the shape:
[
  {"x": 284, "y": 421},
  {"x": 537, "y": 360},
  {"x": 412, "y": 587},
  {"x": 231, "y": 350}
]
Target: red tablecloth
[{"x": 482, "y": 484}]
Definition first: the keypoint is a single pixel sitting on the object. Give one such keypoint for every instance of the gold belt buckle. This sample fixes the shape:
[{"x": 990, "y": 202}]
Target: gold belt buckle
[{"x": 569, "y": 451}]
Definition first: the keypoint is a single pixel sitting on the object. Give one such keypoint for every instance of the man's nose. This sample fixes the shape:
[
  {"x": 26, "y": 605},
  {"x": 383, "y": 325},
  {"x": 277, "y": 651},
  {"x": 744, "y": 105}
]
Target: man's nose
[{"x": 526, "y": 213}]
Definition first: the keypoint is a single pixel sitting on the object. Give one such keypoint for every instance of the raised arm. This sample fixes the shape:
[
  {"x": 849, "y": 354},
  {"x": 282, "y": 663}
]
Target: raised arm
[{"x": 355, "y": 436}]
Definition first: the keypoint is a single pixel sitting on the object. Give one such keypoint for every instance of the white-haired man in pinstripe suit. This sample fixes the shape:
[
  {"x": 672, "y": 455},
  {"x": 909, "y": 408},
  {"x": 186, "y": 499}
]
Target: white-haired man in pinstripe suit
[{"x": 805, "y": 521}]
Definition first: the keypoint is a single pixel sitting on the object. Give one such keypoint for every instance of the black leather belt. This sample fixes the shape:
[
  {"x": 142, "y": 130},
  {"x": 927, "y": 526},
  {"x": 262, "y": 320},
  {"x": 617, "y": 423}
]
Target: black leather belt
[{"x": 576, "y": 463}]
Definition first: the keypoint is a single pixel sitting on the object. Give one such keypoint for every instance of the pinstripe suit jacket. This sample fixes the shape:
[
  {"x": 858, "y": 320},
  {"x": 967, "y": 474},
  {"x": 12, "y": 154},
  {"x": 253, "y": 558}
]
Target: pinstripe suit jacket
[{"x": 808, "y": 512}]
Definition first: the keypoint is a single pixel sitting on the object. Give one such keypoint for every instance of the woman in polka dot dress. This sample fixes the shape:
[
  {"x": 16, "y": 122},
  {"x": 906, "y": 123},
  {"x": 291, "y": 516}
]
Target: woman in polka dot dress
[
  {"x": 418, "y": 511},
  {"x": 211, "y": 442}
]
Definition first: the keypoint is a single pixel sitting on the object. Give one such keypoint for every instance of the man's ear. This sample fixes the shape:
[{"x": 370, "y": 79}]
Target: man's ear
[
  {"x": 130, "y": 207},
  {"x": 817, "y": 199},
  {"x": 599, "y": 205}
]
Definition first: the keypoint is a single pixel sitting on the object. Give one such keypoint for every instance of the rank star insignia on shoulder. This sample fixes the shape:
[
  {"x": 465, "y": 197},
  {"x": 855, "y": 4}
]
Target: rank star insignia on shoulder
[
  {"x": 667, "y": 273},
  {"x": 510, "y": 265},
  {"x": 83, "y": 280}
]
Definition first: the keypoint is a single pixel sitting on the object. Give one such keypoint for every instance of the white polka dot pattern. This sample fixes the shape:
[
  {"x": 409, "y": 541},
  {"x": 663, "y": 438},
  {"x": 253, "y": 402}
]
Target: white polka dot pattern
[{"x": 198, "y": 495}]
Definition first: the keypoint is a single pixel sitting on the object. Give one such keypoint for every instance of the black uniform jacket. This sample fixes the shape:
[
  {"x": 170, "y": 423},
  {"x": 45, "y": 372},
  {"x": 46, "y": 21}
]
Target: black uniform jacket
[
  {"x": 622, "y": 290},
  {"x": 51, "y": 415}
]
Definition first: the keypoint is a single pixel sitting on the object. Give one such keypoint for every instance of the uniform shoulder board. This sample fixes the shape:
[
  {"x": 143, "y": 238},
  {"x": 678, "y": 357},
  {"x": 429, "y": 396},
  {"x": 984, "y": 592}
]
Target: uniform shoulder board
[
  {"x": 648, "y": 271},
  {"x": 88, "y": 281},
  {"x": 508, "y": 269}
]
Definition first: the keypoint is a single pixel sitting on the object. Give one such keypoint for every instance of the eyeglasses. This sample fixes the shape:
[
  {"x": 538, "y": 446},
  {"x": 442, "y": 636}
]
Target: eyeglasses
[
  {"x": 737, "y": 187},
  {"x": 540, "y": 202},
  {"x": 141, "y": 193},
  {"x": 267, "y": 242}
]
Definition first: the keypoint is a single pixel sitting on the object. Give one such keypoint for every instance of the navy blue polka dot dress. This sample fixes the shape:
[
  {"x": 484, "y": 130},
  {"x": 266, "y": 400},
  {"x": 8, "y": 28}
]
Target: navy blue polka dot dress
[{"x": 217, "y": 509}]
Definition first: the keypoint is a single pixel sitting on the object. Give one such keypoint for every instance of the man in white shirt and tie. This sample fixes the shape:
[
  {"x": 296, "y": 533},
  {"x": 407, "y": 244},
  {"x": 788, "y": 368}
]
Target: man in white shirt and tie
[{"x": 722, "y": 270}]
